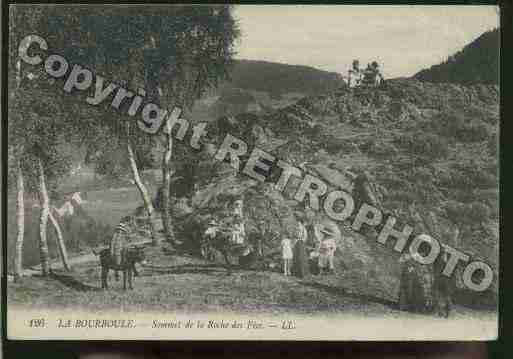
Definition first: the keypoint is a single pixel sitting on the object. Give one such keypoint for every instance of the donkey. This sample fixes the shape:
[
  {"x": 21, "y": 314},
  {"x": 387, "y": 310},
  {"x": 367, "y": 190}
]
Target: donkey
[{"x": 130, "y": 256}]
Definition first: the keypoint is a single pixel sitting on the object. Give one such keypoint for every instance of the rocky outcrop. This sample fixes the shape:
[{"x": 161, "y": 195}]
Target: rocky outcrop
[{"x": 426, "y": 145}]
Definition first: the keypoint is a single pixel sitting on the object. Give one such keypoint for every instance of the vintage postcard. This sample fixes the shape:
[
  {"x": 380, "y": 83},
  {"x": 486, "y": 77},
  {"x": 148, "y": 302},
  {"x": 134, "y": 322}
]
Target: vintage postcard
[{"x": 187, "y": 172}]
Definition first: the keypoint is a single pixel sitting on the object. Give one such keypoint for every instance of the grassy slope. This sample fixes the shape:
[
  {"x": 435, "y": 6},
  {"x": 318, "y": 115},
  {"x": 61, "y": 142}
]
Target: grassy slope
[{"x": 187, "y": 284}]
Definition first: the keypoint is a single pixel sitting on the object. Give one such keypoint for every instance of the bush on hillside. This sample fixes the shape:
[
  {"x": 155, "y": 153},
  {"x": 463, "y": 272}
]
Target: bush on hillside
[
  {"x": 493, "y": 144},
  {"x": 333, "y": 145},
  {"x": 425, "y": 145},
  {"x": 478, "y": 212},
  {"x": 456, "y": 125},
  {"x": 467, "y": 178},
  {"x": 469, "y": 213},
  {"x": 378, "y": 148}
]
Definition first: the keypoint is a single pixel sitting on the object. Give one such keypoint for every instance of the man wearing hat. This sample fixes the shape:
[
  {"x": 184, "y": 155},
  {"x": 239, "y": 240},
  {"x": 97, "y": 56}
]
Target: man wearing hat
[
  {"x": 210, "y": 234},
  {"x": 121, "y": 238}
]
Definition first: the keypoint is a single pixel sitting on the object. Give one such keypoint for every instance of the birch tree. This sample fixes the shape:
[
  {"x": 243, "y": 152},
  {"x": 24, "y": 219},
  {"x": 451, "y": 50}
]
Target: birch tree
[
  {"x": 174, "y": 53},
  {"x": 33, "y": 137},
  {"x": 202, "y": 53}
]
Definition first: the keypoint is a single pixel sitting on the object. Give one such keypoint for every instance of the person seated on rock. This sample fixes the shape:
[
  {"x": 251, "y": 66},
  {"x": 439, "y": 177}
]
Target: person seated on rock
[
  {"x": 372, "y": 76},
  {"x": 212, "y": 228}
]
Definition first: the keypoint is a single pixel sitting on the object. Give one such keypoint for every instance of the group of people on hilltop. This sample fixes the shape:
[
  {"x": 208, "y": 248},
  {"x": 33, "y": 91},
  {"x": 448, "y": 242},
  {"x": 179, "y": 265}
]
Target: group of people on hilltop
[{"x": 370, "y": 76}]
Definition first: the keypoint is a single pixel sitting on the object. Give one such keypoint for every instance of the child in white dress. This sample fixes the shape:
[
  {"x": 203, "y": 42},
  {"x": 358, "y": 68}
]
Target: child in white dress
[{"x": 286, "y": 254}]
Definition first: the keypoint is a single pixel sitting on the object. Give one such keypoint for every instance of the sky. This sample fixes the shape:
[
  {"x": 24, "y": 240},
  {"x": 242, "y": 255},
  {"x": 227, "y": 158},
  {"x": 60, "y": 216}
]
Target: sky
[{"x": 403, "y": 39}]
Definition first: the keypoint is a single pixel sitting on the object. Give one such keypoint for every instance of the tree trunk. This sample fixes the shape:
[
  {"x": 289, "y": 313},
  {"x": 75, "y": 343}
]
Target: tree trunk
[
  {"x": 43, "y": 222},
  {"x": 166, "y": 184},
  {"x": 144, "y": 193},
  {"x": 60, "y": 241},
  {"x": 20, "y": 223}
]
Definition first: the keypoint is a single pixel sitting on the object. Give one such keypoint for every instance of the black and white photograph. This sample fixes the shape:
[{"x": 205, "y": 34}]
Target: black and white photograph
[{"x": 252, "y": 172}]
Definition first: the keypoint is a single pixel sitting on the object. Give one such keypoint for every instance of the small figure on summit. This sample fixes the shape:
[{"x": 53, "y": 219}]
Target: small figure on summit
[
  {"x": 371, "y": 75},
  {"x": 354, "y": 76}
]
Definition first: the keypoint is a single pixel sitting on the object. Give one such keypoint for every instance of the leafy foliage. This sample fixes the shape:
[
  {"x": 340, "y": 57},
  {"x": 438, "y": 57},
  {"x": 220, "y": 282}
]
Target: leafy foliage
[
  {"x": 469, "y": 213},
  {"x": 425, "y": 145},
  {"x": 457, "y": 125},
  {"x": 468, "y": 176}
]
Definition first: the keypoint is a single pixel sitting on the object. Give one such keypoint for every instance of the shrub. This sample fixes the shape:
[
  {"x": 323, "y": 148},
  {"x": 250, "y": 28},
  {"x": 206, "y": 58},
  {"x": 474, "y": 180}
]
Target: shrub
[
  {"x": 425, "y": 145},
  {"x": 458, "y": 126},
  {"x": 333, "y": 145},
  {"x": 478, "y": 212},
  {"x": 382, "y": 149},
  {"x": 421, "y": 175},
  {"x": 405, "y": 195},
  {"x": 474, "y": 175},
  {"x": 474, "y": 132},
  {"x": 472, "y": 213},
  {"x": 493, "y": 144}
]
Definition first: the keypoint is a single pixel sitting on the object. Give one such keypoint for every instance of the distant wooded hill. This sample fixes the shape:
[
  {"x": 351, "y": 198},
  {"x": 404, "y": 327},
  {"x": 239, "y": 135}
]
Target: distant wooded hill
[
  {"x": 276, "y": 79},
  {"x": 478, "y": 62}
]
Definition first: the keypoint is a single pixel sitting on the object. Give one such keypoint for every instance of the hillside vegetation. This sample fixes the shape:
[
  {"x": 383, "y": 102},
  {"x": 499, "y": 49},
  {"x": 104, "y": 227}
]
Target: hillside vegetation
[
  {"x": 476, "y": 63},
  {"x": 261, "y": 86},
  {"x": 277, "y": 79},
  {"x": 431, "y": 148}
]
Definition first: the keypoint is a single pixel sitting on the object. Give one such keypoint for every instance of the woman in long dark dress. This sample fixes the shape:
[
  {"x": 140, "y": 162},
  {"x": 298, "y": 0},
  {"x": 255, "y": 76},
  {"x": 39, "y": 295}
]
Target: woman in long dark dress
[{"x": 300, "y": 259}]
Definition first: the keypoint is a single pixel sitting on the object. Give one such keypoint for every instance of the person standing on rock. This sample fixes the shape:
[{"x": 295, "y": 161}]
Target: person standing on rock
[
  {"x": 300, "y": 259},
  {"x": 354, "y": 76}
]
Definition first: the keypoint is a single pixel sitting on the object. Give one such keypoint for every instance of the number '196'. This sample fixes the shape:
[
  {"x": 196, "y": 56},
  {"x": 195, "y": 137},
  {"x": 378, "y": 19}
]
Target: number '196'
[{"x": 37, "y": 323}]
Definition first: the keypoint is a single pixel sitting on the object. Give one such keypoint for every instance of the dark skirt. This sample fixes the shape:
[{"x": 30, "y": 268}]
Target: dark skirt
[{"x": 300, "y": 260}]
